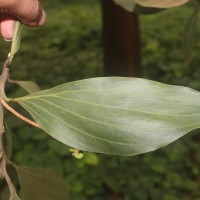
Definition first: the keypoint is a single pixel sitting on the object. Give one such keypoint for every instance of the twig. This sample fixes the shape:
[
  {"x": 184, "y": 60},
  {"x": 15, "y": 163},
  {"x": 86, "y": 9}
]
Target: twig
[
  {"x": 13, "y": 193},
  {"x": 2, "y": 131},
  {"x": 19, "y": 115},
  {"x": 3, "y": 158}
]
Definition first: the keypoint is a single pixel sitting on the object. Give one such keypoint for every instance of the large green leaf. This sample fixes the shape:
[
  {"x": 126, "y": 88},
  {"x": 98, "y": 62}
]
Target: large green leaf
[
  {"x": 115, "y": 115},
  {"x": 41, "y": 184}
]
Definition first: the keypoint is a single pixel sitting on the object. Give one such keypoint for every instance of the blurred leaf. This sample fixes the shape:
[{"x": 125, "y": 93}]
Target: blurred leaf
[
  {"x": 41, "y": 184},
  {"x": 29, "y": 86},
  {"x": 115, "y": 115},
  {"x": 161, "y": 3},
  {"x": 77, "y": 187},
  {"x": 91, "y": 159},
  {"x": 8, "y": 142},
  {"x": 132, "y": 6},
  {"x": 189, "y": 35},
  {"x": 170, "y": 197}
]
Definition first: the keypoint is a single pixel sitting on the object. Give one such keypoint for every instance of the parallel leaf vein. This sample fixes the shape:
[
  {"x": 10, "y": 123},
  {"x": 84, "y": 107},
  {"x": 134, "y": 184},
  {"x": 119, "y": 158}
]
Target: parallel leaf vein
[{"x": 69, "y": 125}]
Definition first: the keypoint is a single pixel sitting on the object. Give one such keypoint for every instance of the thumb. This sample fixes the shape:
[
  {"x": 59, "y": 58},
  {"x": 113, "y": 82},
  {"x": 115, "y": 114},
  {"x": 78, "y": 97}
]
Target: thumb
[{"x": 6, "y": 27}]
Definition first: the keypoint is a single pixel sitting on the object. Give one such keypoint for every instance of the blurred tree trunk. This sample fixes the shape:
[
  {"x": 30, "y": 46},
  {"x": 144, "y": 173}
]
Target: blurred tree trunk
[{"x": 121, "y": 38}]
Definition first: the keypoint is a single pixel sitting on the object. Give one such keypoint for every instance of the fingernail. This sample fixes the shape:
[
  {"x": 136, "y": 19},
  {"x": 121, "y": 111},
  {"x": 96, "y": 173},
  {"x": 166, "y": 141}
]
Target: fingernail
[{"x": 7, "y": 40}]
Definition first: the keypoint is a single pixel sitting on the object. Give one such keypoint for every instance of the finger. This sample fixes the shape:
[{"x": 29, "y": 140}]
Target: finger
[
  {"x": 6, "y": 27},
  {"x": 29, "y": 12}
]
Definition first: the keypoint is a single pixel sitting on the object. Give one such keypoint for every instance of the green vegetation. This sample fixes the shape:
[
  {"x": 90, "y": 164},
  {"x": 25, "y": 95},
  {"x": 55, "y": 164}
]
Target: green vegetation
[
  {"x": 162, "y": 48},
  {"x": 69, "y": 48}
]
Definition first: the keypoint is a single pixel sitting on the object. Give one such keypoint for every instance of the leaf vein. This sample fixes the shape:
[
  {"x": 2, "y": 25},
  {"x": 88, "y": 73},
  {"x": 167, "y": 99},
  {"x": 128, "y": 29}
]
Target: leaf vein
[{"x": 69, "y": 125}]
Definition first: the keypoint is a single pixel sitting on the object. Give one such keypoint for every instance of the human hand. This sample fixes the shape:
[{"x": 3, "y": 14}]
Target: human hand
[{"x": 29, "y": 12}]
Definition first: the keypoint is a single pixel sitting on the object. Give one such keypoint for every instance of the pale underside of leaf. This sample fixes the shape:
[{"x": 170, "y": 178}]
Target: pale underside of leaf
[
  {"x": 41, "y": 184},
  {"x": 123, "y": 116},
  {"x": 161, "y": 3},
  {"x": 16, "y": 40}
]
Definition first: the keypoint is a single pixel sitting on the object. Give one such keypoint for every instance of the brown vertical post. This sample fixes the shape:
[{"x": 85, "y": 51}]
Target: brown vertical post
[{"x": 121, "y": 38}]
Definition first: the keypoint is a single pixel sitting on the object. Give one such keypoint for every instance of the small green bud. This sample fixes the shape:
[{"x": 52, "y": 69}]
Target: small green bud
[{"x": 78, "y": 154}]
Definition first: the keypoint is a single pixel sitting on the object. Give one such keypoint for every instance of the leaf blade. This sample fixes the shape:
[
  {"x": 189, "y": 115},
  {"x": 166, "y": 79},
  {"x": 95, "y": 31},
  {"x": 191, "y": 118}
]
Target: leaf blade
[
  {"x": 123, "y": 116},
  {"x": 41, "y": 184}
]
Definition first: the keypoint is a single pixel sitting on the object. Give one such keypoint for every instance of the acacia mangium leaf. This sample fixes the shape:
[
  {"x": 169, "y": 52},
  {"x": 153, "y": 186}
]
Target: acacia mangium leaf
[{"x": 115, "y": 115}]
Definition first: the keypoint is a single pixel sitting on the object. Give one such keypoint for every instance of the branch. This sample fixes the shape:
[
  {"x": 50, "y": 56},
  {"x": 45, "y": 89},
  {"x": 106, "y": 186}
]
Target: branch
[
  {"x": 3, "y": 158},
  {"x": 13, "y": 193},
  {"x": 19, "y": 115},
  {"x": 3, "y": 78}
]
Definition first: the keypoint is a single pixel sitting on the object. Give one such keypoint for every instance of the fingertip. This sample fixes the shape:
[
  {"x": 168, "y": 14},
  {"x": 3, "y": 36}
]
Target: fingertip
[{"x": 6, "y": 27}]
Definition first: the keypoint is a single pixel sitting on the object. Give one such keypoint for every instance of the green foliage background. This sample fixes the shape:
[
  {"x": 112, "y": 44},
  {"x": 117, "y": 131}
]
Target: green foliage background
[{"x": 69, "y": 48}]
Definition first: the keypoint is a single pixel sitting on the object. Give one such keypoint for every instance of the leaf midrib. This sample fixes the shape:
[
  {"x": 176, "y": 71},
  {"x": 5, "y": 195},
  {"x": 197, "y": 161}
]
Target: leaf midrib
[
  {"x": 79, "y": 91},
  {"x": 103, "y": 105}
]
